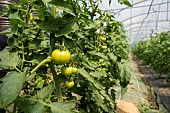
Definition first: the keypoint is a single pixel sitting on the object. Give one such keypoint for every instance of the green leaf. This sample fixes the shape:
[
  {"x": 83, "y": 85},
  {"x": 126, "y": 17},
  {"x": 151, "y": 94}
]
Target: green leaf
[
  {"x": 71, "y": 26},
  {"x": 7, "y": 31},
  {"x": 39, "y": 82},
  {"x": 58, "y": 107},
  {"x": 62, "y": 26},
  {"x": 126, "y": 2},
  {"x": 37, "y": 108},
  {"x": 98, "y": 74},
  {"x": 34, "y": 44},
  {"x": 87, "y": 66},
  {"x": 9, "y": 60},
  {"x": 98, "y": 54},
  {"x": 63, "y": 5},
  {"x": 89, "y": 78},
  {"x": 10, "y": 87},
  {"x": 45, "y": 92},
  {"x": 14, "y": 14},
  {"x": 124, "y": 75},
  {"x": 112, "y": 57}
]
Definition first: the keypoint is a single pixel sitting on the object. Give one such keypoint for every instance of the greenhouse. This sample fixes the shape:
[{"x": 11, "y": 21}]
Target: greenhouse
[{"x": 84, "y": 56}]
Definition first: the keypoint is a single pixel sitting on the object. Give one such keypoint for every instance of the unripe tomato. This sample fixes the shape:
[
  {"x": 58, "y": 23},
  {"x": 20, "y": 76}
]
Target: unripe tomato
[
  {"x": 61, "y": 57},
  {"x": 75, "y": 70},
  {"x": 104, "y": 47},
  {"x": 102, "y": 38},
  {"x": 67, "y": 71},
  {"x": 69, "y": 84}
]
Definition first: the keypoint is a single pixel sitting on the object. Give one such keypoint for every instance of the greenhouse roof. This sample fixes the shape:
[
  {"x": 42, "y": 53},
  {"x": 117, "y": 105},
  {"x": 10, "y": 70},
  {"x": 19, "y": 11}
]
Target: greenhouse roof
[{"x": 142, "y": 19}]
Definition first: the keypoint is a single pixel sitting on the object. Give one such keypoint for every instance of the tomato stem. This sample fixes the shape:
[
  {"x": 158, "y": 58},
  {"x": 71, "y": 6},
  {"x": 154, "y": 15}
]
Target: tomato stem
[
  {"x": 57, "y": 82},
  {"x": 54, "y": 11},
  {"x": 40, "y": 64},
  {"x": 23, "y": 56},
  {"x": 93, "y": 9},
  {"x": 52, "y": 42}
]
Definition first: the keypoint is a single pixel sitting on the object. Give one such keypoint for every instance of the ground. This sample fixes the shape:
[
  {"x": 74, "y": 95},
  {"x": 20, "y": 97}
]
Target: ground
[{"x": 147, "y": 90}]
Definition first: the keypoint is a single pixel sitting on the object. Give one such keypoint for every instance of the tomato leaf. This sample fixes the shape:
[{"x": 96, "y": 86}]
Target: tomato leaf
[
  {"x": 44, "y": 92},
  {"x": 126, "y": 2},
  {"x": 58, "y": 107},
  {"x": 37, "y": 108},
  {"x": 98, "y": 74},
  {"x": 63, "y": 5},
  {"x": 9, "y": 60},
  {"x": 61, "y": 25},
  {"x": 98, "y": 54},
  {"x": 10, "y": 87},
  {"x": 89, "y": 78},
  {"x": 71, "y": 26},
  {"x": 112, "y": 57},
  {"x": 7, "y": 31},
  {"x": 124, "y": 75}
]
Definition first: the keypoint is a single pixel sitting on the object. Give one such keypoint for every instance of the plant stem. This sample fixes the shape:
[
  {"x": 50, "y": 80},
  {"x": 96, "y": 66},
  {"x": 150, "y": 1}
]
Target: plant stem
[
  {"x": 52, "y": 42},
  {"x": 18, "y": 69},
  {"x": 40, "y": 64},
  {"x": 54, "y": 11},
  {"x": 63, "y": 41},
  {"x": 57, "y": 82},
  {"x": 93, "y": 9},
  {"x": 23, "y": 56},
  {"x": 55, "y": 76}
]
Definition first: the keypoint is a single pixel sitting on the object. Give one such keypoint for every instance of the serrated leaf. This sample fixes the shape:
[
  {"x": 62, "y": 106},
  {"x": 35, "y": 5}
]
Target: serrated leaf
[
  {"x": 89, "y": 78},
  {"x": 61, "y": 25},
  {"x": 58, "y": 107},
  {"x": 44, "y": 92},
  {"x": 9, "y": 60},
  {"x": 98, "y": 54},
  {"x": 87, "y": 66},
  {"x": 37, "y": 108},
  {"x": 10, "y": 87},
  {"x": 71, "y": 26},
  {"x": 124, "y": 76},
  {"x": 14, "y": 14},
  {"x": 98, "y": 74},
  {"x": 112, "y": 57}
]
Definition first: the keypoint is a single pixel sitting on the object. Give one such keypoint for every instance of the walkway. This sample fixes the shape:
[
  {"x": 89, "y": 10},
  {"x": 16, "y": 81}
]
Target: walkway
[{"x": 143, "y": 91}]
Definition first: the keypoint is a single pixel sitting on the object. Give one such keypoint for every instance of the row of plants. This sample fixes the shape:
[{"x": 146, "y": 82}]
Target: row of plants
[
  {"x": 62, "y": 56},
  {"x": 155, "y": 52}
]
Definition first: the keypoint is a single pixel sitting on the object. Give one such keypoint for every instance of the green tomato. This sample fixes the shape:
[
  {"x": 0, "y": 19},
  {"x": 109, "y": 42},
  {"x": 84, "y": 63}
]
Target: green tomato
[
  {"x": 104, "y": 47},
  {"x": 61, "y": 57},
  {"x": 69, "y": 84},
  {"x": 67, "y": 71},
  {"x": 102, "y": 38},
  {"x": 75, "y": 70}
]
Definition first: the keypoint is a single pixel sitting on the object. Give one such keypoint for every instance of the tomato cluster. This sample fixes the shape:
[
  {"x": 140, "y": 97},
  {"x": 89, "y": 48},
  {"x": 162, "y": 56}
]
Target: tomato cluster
[{"x": 63, "y": 57}]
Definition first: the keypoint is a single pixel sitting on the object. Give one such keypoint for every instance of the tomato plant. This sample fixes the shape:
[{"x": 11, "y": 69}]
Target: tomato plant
[
  {"x": 156, "y": 49},
  {"x": 46, "y": 35}
]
